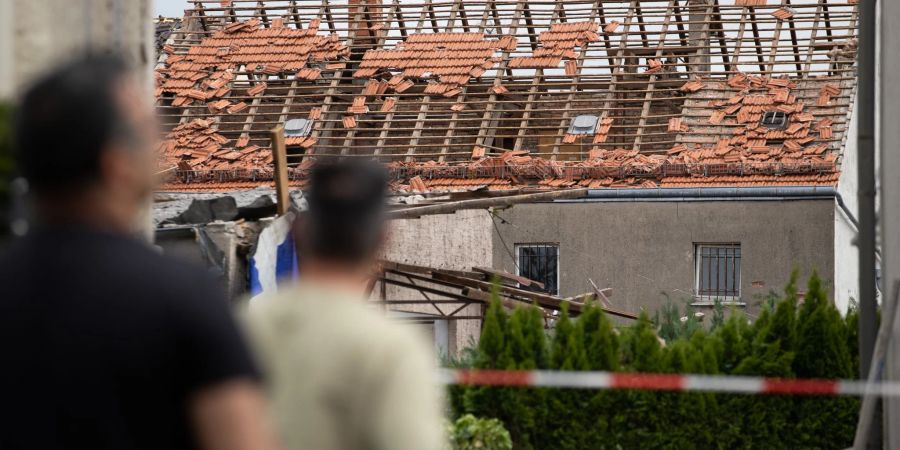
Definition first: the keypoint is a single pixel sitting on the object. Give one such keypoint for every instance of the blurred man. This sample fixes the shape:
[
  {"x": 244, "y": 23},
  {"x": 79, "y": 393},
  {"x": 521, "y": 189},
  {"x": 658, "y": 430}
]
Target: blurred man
[
  {"x": 343, "y": 376},
  {"x": 104, "y": 343}
]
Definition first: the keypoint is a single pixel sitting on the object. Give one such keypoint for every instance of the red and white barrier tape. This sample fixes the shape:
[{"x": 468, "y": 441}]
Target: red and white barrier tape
[{"x": 668, "y": 382}]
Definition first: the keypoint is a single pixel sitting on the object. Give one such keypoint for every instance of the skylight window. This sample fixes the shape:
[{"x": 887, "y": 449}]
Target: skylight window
[
  {"x": 584, "y": 124},
  {"x": 774, "y": 119},
  {"x": 297, "y": 127}
]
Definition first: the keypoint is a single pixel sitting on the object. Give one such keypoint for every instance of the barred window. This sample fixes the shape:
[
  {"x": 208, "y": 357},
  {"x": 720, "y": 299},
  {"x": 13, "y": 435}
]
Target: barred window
[
  {"x": 718, "y": 272},
  {"x": 540, "y": 262}
]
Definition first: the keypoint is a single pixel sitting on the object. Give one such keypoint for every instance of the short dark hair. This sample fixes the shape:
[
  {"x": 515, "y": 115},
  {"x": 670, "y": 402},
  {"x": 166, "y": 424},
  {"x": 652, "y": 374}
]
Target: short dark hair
[
  {"x": 64, "y": 121},
  {"x": 345, "y": 219}
]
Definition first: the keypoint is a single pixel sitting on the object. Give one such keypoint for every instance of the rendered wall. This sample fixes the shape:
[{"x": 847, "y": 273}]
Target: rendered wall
[
  {"x": 457, "y": 241},
  {"x": 846, "y": 254},
  {"x": 35, "y": 35},
  {"x": 45, "y": 32},
  {"x": 644, "y": 251}
]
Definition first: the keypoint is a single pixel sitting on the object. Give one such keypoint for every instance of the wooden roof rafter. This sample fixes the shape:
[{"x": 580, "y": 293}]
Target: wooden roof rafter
[{"x": 540, "y": 101}]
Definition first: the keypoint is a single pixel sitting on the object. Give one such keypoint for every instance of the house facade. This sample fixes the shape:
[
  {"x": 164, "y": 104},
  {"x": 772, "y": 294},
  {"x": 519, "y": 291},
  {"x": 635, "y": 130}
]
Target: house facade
[{"x": 712, "y": 139}]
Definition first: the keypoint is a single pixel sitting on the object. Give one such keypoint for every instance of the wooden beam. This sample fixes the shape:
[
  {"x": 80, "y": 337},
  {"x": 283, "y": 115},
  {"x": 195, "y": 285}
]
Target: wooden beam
[
  {"x": 496, "y": 202},
  {"x": 279, "y": 157},
  {"x": 490, "y": 111},
  {"x": 648, "y": 97}
]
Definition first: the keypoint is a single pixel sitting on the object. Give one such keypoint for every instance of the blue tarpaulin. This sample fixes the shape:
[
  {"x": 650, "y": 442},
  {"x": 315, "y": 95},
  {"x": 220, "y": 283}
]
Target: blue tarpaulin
[{"x": 275, "y": 258}]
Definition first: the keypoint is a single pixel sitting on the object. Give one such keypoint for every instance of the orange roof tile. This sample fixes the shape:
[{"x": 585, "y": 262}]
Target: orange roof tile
[
  {"x": 557, "y": 43},
  {"x": 692, "y": 86},
  {"x": 388, "y": 104},
  {"x": 449, "y": 60},
  {"x": 259, "y": 88},
  {"x": 237, "y": 107},
  {"x": 783, "y": 13},
  {"x": 245, "y": 44}
]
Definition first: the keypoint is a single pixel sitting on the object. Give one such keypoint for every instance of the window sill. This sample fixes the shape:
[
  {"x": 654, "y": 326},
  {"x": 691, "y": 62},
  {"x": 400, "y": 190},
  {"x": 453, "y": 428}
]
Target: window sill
[{"x": 720, "y": 302}]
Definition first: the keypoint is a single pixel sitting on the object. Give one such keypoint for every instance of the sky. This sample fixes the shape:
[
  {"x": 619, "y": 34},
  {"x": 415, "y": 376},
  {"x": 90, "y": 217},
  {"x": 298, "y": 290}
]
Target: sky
[{"x": 170, "y": 8}]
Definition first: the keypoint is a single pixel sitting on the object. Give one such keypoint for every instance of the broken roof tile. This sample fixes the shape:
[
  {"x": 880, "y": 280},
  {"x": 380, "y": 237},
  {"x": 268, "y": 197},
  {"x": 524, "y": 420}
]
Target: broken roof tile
[
  {"x": 237, "y": 107},
  {"x": 238, "y": 45},
  {"x": 558, "y": 42},
  {"x": 783, "y": 13},
  {"x": 388, "y": 104},
  {"x": 259, "y": 88},
  {"x": 692, "y": 86}
]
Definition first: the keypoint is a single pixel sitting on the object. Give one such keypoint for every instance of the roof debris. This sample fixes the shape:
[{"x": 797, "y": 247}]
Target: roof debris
[
  {"x": 450, "y": 60},
  {"x": 466, "y": 95}
]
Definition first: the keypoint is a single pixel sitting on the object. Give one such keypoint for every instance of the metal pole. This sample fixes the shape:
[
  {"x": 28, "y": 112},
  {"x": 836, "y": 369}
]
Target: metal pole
[{"x": 865, "y": 106}]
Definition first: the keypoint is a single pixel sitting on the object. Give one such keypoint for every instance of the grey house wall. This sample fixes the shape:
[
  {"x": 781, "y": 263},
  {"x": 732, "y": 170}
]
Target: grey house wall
[{"x": 644, "y": 249}]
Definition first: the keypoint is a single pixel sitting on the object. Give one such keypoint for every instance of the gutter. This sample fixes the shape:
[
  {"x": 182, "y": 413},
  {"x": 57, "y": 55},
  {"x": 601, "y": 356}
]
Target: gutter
[
  {"x": 783, "y": 192},
  {"x": 705, "y": 194},
  {"x": 771, "y": 193}
]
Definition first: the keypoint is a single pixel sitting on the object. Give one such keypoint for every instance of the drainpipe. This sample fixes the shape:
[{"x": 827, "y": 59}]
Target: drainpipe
[{"x": 869, "y": 431}]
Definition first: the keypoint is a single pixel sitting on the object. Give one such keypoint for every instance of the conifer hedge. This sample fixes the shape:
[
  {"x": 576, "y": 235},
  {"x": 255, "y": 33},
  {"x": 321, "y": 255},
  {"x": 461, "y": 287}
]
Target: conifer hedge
[{"x": 787, "y": 340}]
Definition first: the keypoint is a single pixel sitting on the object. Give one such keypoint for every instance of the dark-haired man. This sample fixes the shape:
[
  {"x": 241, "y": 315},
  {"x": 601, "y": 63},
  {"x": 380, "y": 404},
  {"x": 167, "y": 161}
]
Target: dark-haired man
[
  {"x": 104, "y": 343},
  {"x": 343, "y": 376}
]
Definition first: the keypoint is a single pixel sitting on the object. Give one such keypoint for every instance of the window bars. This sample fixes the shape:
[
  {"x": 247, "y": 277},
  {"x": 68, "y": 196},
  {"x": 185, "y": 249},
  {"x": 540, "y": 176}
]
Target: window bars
[
  {"x": 717, "y": 272},
  {"x": 540, "y": 262}
]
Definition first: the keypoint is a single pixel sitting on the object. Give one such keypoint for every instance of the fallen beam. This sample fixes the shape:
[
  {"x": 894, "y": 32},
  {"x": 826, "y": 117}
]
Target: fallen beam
[{"x": 484, "y": 203}]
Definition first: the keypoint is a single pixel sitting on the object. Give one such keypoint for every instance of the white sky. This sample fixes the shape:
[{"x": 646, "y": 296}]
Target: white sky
[{"x": 169, "y": 8}]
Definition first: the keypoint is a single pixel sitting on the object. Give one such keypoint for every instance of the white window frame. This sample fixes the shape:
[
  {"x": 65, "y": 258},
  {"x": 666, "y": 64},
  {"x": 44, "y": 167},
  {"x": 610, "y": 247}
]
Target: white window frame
[
  {"x": 711, "y": 300},
  {"x": 518, "y": 248}
]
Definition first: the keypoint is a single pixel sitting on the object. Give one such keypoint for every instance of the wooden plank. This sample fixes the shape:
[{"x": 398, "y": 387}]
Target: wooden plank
[
  {"x": 619, "y": 58},
  {"x": 648, "y": 97},
  {"x": 323, "y": 130},
  {"x": 539, "y": 74},
  {"x": 776, "y": 37},
  {"x": 757, "y": 43},
  {"x": 450, "y": 207},
  {"x": 795, "y": 42},
  {"x": 738, "y": 42},
  {"x": 523, "y": 281},
  {"x": 295, "y": 14},
  {"x": 543, "y": 300},
  {"x": 393, "y": 13},
  {"x": 579, "y": 64},
  {"x": 491, "y": 113},
  {"x": 279, "y": 157},
  {"x": 812, "y": 36}
]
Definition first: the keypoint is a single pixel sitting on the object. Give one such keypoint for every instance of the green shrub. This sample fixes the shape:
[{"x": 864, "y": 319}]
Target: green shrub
[
  {"x": 786, "y": 340},
  {"x": 471, "y": 433}
]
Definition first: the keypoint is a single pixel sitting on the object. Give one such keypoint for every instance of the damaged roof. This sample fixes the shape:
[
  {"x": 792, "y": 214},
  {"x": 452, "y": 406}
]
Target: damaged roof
[{"x": 459, "y": 91}]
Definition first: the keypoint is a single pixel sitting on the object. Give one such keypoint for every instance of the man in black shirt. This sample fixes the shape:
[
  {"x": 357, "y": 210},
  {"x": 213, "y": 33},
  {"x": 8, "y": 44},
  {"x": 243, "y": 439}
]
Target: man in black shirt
[{"x": 104, "y": 343}]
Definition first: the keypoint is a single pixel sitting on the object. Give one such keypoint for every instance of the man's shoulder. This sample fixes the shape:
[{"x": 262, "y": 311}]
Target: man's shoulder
[
  {"x": 121, "y": 261},
  {"x": 340, "y": 321}
]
